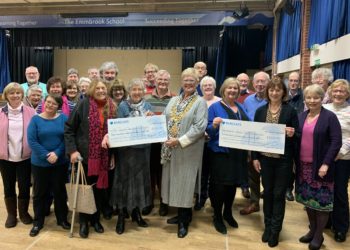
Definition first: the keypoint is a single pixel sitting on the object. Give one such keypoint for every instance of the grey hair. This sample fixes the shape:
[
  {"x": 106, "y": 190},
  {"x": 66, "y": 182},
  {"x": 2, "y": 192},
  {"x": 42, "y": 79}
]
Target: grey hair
[
  {"x": 72, "y": 71},
  {"x": 207, "y": 79},
  {"x": 84, "y": 79},
  {"x": 162, "y": 72},
  {"x": 109, "y": 65},
  {"x": 134, "y": 82},
  {"x": 32, "y": 88},
  {"x": 325, "y": 72},
  {"x": 264, "y": 73},
  {"x": 314, "y": 89}
]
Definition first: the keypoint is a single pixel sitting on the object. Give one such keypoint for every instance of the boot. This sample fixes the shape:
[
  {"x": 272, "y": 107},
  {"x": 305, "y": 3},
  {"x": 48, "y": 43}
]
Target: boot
[
  {"x": 307, "y": 238},
  {"x": 11, "y": 207},
  {"x": 136, "y": 216},
  {"x": 120, "y": 227},
  {"x": 23, "y": 211}
]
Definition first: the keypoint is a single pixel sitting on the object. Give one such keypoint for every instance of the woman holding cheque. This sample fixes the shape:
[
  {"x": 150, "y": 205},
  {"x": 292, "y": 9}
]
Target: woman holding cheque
[
  {"x": 276, "y": 169},
  {"x": 228, "y": 166}
]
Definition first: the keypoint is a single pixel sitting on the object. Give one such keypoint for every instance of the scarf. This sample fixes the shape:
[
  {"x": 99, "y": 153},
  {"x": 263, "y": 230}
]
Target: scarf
[
  {"x": 177, "y": 113},
  {"x": 137, "y": 109},
  {"x": 98, "y": 162}
]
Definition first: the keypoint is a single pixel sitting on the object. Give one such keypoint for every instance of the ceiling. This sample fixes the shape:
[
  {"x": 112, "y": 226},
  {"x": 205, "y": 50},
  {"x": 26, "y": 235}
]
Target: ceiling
[{"x": 50, "y": 7}]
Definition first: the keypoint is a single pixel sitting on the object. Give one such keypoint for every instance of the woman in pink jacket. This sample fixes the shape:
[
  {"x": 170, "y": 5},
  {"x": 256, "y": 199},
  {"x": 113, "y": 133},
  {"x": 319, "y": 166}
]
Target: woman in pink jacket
[{"x": 15, "y": 154}]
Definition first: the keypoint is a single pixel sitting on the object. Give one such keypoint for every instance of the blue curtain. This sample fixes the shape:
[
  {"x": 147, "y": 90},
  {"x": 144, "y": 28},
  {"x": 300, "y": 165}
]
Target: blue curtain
[
  {"x": 288, "y": 39},
  {"x": 268, "y": 47},
  {"x": 221, "y": 60},
  {"x": 329, "y": 19},
  {"x": 341, "y": 69},
  {"x": 4, "y": 69}
]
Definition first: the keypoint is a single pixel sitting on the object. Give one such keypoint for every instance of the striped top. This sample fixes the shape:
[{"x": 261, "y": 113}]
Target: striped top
[{"x": 158, "y": 103}]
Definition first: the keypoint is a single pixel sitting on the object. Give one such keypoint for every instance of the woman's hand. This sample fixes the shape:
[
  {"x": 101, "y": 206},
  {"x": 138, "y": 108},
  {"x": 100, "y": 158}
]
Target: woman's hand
[
  {"x": 257, "y": 166},
  {"x": 323, "y": 170},
  {"x": 74, "y": 157},
  {"x": 216, "y": 122},
  {"x": 105, "y": 143},
  {"x": 52, "y": 157},
  {"x": 290, "y": 131},
  {"x": 112, "y": 163},
  {"x": 172, "y": 142}
]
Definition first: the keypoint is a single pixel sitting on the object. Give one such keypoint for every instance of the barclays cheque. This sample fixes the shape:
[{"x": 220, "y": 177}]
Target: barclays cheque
[
  {"x": 254, "y": 136},
  {"x": 136, "y": 130}
]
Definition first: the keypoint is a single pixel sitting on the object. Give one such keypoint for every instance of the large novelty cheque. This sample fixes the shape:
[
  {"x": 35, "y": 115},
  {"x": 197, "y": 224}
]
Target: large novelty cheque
[
  {"x": 254, "y": 136},
  {"x": 136, "y": 130}
]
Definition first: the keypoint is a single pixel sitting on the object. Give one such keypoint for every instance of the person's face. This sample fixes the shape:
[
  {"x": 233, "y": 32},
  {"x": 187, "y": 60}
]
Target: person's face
[
  {"x": 150, "y": 74},
  {"x": 243, "y": 82},
  {"x": 339, "y": 95},
  {"x": 320, "y": 80},
  {"x": 275, "y": 95},
  {"x": 189, "y": 84},
  {"x": 260, "y": 83},
  {"x": 56, "y": 89},
  {"x": 201, "y": 69},
  {"x": 313, "y": 101},
  {"x": 118, "y": 94},
  {"x": 32, "y": 75},
  {"x": 293, "y": 82},
  {"x": 162, "y": 83},
  {"x": 72, "y": 91},
  {"x": 51, "y": 106},
  {"x": 73, "y": 77},
  {"x": 208, "y": 88},
  {"x": 109, "y": 75},
  {"x": 136, "y": 93},
  {"x": 231, "y": 92},
  {"x": 14, "y": 97},
  {"x": 93, "y": 74},
  {"x": 100, "y": 92},
  {"x": 35, "y": 97},
  {"x": 84, "y": 87}
]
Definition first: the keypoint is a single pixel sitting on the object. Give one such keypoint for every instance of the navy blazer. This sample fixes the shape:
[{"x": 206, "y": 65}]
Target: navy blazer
[{"x": 327, "y": 142}]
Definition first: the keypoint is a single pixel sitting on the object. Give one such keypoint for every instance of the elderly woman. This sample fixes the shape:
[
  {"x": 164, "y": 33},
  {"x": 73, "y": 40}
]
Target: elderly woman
[
  {"x": 15, "y": 154},
  {"x": 118, "y": 92},
  {"x": 34, "y": 96},
  {"x": 207, "y": 86},
  {"x": 228, "y": 167},
  {"x": 84, "y": 132},
  {"x": 340, "y": 92},
  {"x": 72, "y": 94},
  {"x": 49, "y": 162},
  {"x": 132, "y": 185},
  {"x": 182, "y": 153},
  {"x": 323, "y": 77},
  {"x": 84, "y": 84},
  {"x": 315, "y": 168},
  {"x": 276, "y": 169}
]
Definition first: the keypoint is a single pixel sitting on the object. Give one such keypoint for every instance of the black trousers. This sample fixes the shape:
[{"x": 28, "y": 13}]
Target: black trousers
[
  {"x": 275, "y": 174},
  {"x": 155, "y": 169},
  {"x": 12, "y": 172},
  {"x": 49, "y": 177},
  {"x": 222, "y": 196},
  {"x": 340, "y": 213},
  {"x": 184, "y": 215}
]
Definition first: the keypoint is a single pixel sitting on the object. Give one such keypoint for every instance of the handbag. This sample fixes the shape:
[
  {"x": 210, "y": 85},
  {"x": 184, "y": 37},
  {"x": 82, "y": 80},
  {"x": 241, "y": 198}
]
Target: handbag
[{"x": 85, "y": 201}]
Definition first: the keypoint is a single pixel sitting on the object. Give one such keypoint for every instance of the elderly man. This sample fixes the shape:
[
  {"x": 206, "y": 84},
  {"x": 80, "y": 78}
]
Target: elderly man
[
  {"x": 32, "y": 76},
  {"x": 201, "y": 69},
  {"x": 159, "y": 98},
  {"x": 73, "y": 75},
  {"x": 251, "y": 104},
  {"x": 93, "y": 73},
  {"x": 150, "y": 71},
  {"x": 244, "y": 81},
  {"x": 323, "y": 77},
  {"x": 108, "y": 73}
]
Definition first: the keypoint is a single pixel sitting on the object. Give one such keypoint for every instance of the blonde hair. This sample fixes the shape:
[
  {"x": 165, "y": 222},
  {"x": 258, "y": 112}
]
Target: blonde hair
[
  {"x": 11, "y": 87},
  {"x": 340, "y": 83},
  {"x": 228, "y": 82},
  {"x": 190, "y": 72},
  {"x": 314, "y": 89}
]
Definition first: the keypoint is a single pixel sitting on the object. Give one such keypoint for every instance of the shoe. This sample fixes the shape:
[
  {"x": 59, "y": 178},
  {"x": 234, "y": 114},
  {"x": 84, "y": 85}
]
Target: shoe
[
  {"x": 219, "y": 225},
  {"x": 98, "y": 227},
  {"x": 107, "y": 215},
  {"x": 173, "y": 220},
  {"x": 316, "y": 245},
  {"x": 65, "y": 225},
  {"x": 11, "y": 206},
  {"x": 289, "y": 195},
  {"x": 163, "y": 209},
  {"x": 266, "y": 235},
  {"x": 84, "y": 230},
  {"x": 340, "y": 236},
  {"x": 273, "y": 239},
  {"x": 307, "y": 238},
  {"x": 147, "y": 210},
  {"x": 136, "y": 216},
  {"x": 120, "y": 227},
  {"x": 35, "y": 231},
  {"x": 252, "y": 208},
  {"x": 231, "y": 221},
  {"x": 182, "y": 230},
  {"x": 245, "y": 193}
]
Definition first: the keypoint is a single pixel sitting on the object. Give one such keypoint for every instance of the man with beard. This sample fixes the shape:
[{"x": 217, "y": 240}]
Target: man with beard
[
  {"x": 32, "y": 76},
  {"x": 108, "y": 73}
]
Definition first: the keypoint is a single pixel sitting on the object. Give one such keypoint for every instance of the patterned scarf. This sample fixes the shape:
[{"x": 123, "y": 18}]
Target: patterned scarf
[
  {"x": 98, "y": 162},
  {"x": 137, "y": 109},
  {"x": 177, "y": 113}
]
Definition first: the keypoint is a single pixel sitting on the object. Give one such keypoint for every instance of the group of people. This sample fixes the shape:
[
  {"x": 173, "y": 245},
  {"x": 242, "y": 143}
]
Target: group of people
[{"x": 59, "y": 123}]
